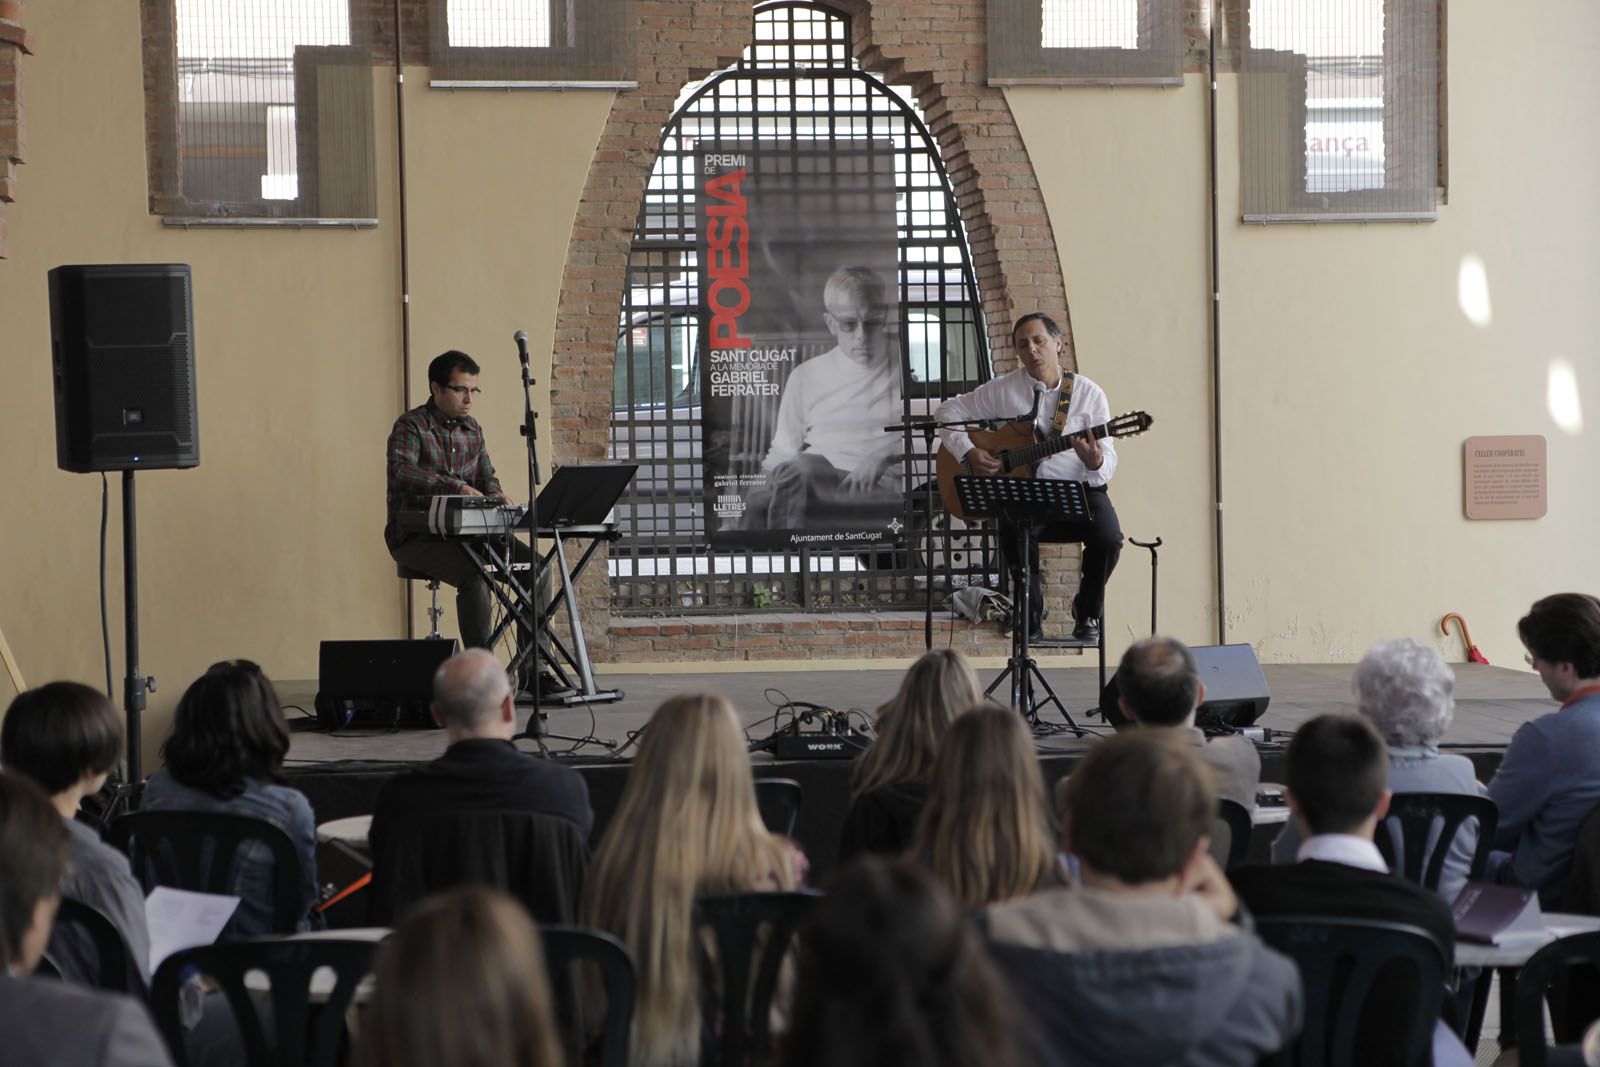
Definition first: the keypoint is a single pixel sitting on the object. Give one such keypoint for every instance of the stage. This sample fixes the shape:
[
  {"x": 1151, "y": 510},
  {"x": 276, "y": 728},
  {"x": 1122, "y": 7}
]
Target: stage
[{"x": 342, "y": 771}]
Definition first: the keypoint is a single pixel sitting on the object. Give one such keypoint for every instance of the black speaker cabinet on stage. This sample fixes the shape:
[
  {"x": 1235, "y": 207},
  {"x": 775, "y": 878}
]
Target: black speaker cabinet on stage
[
  {"x": 387, "y": 683},
  {"x": 122, "y": 353},
  {"x": 1236, "y": 690}
]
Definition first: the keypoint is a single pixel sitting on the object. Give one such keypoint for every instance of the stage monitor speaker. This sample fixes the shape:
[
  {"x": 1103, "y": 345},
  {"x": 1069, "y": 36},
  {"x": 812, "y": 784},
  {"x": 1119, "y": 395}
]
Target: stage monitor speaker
[
  {"x": 386, "y": 682},
  {"x": 122, "y": 359},
  {"x": 1236, "y": 690}
]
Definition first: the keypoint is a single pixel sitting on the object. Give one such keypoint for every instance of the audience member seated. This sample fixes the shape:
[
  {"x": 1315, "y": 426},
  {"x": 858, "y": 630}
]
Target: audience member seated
[
  {"x": 890, "y": 783},
  {"x": 892, "y": 973},
  {"x": 47, "y": 1023},
  {"x": 985, "y": 833},
  {"x": 1406, "y": 689},
  {"x": 461, "y": 981},
  {"x": 1549, "y": 779},
  {"x": 481, "y": 770},
  {"x": 1140, "y": 963},
  {"x": 226, "y": 754},
  {"x": 1337, "y": 768},
  {"x": 1159, "y": 686},
  {"x": 67, "y": 737},
  {"x": 687, "y": 826}
]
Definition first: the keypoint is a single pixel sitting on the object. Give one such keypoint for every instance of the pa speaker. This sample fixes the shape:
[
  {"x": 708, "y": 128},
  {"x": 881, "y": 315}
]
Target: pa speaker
[
  {"x": 388, "y": 682},
  {"x": 122, "y": 357},
  {"x": 1236, "y": 690}
]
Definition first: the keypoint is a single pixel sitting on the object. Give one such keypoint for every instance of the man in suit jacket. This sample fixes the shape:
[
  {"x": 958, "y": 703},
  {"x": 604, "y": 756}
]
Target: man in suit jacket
[
  {"x": 1337, "y": 772},
  {"x": 45, "y": 1022},
  {"x": 481, "y": 770}
]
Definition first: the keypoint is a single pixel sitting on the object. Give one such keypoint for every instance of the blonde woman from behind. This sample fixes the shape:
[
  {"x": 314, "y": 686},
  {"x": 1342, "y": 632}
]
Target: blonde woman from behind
[{"x": 687, "y": 826}]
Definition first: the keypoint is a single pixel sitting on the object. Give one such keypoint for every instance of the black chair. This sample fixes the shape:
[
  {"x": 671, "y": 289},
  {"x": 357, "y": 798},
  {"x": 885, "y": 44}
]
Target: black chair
[
  {"x": 1544, "y": 970},
  {"x": 541, "y": 860},
  {"x": 778, "y": 800},
  {"x": 566, "y": 946},
  {"x": 115, "y": 969},
  {"x": 752, "y": 933},
  {"x": 201, "y": 851},
  {"x": 1236, "y": 817},
  {"x": 1341, "y": 962},
  {"x": 1413, "y": 816},
  {"x": 299, "y": 1023}
]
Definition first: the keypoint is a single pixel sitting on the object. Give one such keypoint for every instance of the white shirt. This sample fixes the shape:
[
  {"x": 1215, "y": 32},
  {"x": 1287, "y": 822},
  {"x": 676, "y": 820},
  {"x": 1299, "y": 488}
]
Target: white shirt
[
  {"x": 837, "y": 408},
  {"x": 1348, "y": 849},
  {"x": 1010, "y": 396}
]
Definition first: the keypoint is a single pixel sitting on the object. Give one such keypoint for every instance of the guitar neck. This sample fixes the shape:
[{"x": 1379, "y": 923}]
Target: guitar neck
[{"x": 1028, "y": 455}]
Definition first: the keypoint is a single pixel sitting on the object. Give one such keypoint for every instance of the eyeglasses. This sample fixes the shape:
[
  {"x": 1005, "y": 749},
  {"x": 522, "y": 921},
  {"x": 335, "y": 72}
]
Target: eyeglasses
[{"x": 465, "y": 390}]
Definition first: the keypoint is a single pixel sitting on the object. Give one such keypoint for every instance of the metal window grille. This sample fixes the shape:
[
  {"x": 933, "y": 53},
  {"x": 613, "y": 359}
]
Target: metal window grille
[
  {"x": 798, "y": 82},
  {"x": 1085, "y": 42}
]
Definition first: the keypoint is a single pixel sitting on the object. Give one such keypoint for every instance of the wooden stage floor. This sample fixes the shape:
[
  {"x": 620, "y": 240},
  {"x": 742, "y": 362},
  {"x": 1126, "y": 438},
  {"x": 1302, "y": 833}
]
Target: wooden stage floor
[{"x": 1491, "y": 702}]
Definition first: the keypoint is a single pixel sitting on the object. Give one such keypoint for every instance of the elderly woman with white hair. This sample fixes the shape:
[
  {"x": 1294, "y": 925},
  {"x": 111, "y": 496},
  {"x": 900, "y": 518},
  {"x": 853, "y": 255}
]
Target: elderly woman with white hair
[{"x": 1407, "y": 690}]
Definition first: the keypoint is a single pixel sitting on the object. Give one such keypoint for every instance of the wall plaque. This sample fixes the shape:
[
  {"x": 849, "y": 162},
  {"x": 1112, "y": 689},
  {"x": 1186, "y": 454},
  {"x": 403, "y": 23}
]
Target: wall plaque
[{"x": 1504, "y": 477}]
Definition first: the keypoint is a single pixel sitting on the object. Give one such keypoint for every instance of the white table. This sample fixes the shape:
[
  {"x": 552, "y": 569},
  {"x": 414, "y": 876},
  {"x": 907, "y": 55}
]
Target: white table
[
  {"x": 350, "y": 831},
  {"x": 1514, "y": 952}
]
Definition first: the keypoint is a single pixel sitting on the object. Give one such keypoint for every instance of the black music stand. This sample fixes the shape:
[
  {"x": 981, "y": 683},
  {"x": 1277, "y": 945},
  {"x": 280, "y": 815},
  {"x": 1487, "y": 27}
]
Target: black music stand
[{"x": 1025, "y": 503}]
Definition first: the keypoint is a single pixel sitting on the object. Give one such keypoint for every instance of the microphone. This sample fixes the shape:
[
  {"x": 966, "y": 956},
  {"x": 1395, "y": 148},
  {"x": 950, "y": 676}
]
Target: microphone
[
  {"x": 521, "y": 337},
  {"x": 1038, "y": 395}
]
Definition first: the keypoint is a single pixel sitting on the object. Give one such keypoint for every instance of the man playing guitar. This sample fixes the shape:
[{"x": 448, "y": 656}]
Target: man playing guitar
[{"x": 1060, "y": 404}]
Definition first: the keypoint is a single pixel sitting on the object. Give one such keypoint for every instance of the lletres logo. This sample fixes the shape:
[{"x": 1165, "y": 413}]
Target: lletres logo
[
  {"x": 728, "y": 504},
  {"x": 728, "y": 250}
]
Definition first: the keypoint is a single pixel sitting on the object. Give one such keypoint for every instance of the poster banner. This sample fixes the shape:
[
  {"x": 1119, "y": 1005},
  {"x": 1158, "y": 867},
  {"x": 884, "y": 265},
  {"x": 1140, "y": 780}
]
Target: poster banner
[{"x": 803, "y": 362}]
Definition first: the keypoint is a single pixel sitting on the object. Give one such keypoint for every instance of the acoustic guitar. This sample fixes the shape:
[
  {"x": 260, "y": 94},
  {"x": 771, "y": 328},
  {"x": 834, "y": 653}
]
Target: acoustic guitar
[{"x": 1019, "y": 451}]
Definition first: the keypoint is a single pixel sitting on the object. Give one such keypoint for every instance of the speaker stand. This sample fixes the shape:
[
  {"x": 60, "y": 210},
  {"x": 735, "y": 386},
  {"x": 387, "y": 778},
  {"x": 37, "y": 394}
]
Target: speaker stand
[{"x": 136, "y": 685}]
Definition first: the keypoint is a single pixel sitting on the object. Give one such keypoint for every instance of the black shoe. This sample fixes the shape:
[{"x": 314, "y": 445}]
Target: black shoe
[
  {"x": 549, "y": 688},
  {"x": 1086, "y": 630}
]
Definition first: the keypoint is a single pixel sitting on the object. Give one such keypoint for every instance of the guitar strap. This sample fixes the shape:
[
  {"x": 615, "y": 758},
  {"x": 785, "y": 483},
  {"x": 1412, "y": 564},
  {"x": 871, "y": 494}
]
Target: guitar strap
[{"x": 1063, "y": 402}]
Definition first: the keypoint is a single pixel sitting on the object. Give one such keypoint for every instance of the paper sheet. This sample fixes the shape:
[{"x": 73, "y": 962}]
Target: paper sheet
[{"x": 181, "y": 919}]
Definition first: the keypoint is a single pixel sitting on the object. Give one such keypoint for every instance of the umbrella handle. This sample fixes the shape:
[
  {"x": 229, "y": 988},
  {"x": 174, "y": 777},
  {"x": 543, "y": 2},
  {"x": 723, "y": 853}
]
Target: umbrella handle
[{"x": 1444, "y": 625}]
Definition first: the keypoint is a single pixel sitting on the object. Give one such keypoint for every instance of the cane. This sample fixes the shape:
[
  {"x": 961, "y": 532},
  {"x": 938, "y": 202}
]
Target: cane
[{"x": 1152, "y": 546}]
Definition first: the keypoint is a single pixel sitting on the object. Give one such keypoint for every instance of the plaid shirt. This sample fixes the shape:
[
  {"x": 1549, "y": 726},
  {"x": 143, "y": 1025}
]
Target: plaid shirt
[{"x": 430, "y": 455}]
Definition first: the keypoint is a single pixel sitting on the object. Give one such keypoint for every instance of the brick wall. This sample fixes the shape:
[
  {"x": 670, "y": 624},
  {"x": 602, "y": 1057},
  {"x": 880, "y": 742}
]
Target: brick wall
[{"x": 14, "y": 44}]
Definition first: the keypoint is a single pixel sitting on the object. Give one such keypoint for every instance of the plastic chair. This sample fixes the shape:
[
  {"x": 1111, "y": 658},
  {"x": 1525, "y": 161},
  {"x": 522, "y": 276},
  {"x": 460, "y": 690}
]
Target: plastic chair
[
  {"x": 1412, "y": 816},
  {"x": 201, "y": 851},
  {"x": 565, "y": 946},
  {"x": 778, "y": 800},
  {"x": 1542, "y": 970},
  {"x": 752, "y": 933},
  {"x": 115, "y": 968},
  {"x": 298, "y": 1023},
  {"x": 1341, "y": 961},
  {"x": 1237, "y": 818}
]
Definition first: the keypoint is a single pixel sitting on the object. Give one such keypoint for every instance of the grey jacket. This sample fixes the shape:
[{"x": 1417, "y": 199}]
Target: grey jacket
[
  {"x": 47, "y": 1023},
  {"x": 1183, "y": 988}
]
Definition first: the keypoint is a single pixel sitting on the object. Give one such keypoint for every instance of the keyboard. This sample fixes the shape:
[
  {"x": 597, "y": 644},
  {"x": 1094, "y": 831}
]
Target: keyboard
[{"x": 470, "y": 517}]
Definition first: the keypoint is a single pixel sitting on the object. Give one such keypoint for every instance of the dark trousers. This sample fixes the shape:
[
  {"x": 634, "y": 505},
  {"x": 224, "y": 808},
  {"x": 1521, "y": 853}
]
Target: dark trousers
[
  {"x": 1102, "y": 547},
  {"x": 449, "y": 562}
]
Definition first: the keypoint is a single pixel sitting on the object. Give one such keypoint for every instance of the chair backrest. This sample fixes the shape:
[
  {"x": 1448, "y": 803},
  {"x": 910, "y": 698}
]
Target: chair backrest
[
  {"x": 278, "y": 1027},
  {"x": 1542, "y": 970},
  {"x": 751, "y": 933},
  {"x": 114, "y": 967},
  {"x": 1340, "y": 963},
  {"x": 778, "y": 800},
  {"x": 1236, "y": 817},
  {"x": 1580, "y": 890},
  {"x": 1414, "y": 817},
  {"x": 203, "y": 851},
  {"x": 565, "y": 946},
  {"x": 539, "y": 859}
]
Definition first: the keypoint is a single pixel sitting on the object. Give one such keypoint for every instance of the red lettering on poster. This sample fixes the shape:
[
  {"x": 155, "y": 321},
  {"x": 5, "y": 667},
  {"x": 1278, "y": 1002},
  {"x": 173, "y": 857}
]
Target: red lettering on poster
[{"x": 728, "y": 258}]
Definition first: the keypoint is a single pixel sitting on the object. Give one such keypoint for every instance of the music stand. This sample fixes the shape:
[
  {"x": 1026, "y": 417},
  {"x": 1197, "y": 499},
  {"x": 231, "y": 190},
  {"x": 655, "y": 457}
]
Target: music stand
[
  {"x": 1025, "y": 503},
  {"x": 582, "y": 494}
]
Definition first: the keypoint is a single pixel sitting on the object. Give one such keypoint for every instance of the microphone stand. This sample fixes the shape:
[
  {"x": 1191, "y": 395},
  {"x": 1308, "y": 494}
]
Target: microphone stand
[{"x": 530, "y": 434}]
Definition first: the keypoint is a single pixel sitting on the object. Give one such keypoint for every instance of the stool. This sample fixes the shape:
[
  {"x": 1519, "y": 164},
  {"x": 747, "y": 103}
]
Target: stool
[{"x": 434, "y": 610}]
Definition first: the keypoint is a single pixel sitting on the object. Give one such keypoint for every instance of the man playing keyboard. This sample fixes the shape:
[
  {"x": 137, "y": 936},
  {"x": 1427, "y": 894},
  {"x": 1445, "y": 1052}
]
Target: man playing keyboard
[{"x": 437, "y": 449}]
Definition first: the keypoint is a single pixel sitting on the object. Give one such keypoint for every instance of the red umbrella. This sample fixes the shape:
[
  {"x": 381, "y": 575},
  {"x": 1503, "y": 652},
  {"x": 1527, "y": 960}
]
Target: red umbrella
[{"x": 1473, "y": 655}]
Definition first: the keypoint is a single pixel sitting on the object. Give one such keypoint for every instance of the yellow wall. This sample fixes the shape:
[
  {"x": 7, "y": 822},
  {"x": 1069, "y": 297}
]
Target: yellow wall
[
  {"x": 274, "y": 542},
  {"x": 1351, "y": 374}
]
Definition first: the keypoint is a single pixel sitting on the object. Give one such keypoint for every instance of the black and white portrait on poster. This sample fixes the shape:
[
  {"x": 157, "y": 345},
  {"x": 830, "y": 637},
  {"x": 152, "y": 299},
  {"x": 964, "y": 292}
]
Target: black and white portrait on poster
[{"x": 804, "y": 362}]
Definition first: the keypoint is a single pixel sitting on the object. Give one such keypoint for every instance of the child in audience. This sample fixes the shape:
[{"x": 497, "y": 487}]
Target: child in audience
[
  {"x": 687, "y": 826},
  {"x": 890, "y": 784},
  {"x": 984, "y": 834},
  {"x": 226, "y": 755},
  {"x": 892, "y": 973},
  {"x": 462, "y": 982}
]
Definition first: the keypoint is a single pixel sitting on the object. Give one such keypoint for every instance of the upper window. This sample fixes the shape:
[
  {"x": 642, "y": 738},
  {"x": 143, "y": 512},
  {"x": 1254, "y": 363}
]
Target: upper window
[
  {"x": 1339, "y": 110},
  {"x": 531, "y": 41},
  {"x": 1088, "y": 42},
  {"x": 261, "y": 109}
]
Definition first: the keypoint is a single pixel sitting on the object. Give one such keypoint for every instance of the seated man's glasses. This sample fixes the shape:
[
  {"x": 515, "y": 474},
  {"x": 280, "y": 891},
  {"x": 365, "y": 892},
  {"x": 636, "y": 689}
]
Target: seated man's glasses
[{"x": 465, "y": 390}]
